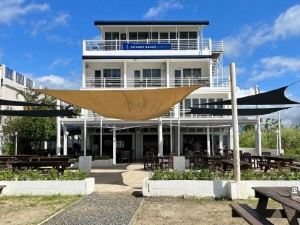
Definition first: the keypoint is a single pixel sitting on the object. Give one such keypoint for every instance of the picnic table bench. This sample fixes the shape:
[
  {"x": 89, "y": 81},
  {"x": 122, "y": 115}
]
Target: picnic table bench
[
  {"x": 295, "y": 166},
  {"x": 59, "y": 165},
  {"x": 228, "y": 163},
  {"x": 290, "y": 206}
]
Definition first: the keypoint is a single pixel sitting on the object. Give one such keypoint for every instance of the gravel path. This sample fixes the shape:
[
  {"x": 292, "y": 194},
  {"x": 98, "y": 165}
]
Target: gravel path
[{"x": 100, "y": 209}]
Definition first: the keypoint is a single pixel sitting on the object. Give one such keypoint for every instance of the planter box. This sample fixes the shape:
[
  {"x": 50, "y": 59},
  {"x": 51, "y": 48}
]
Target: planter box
[
  {"x": 49, "y": 187},
  {"x": 208, "y": 188},
  {"x": 177, "y": 188},
  {"x": 102, "y": 163}
]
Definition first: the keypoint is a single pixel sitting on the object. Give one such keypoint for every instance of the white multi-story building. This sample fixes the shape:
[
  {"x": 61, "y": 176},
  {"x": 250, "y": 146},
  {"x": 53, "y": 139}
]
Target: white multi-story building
[
  {"x": 156, "y": 54},
  {"x": 12, "y": 83}
]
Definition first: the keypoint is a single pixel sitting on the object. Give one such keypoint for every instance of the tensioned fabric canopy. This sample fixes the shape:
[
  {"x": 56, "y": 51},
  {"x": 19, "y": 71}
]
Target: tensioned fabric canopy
[
  {"x": 124, "y": 104},
  {"x": 241, "y": 112},
  {"x": 38, "y": 113},
  {"x": 273, "y": 97}
]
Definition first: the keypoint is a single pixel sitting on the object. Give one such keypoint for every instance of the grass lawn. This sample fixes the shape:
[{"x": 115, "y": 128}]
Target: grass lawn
[
  {"x": 31, "y": 209},
  {"x": 191, "y": 211}
]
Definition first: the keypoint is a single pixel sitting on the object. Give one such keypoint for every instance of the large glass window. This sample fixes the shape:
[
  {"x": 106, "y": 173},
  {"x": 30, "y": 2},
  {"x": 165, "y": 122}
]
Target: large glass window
[
  {"x": 111, "y": 35},
  {"x": 8, "y": 73},
  {"x": 209, "y": 101},
  {"x": 29, "y": 83},
  {"x": 219, "y": 106},
  {"x": 143, "y": 35},
  {"x": 177, "y": 78},
  {"x": 112, "y": 77},
  {"x": 98, "y": 80},
  {"x": 191, "y": 76},
  {"x": 133, "y": 36},
  {"x": 164, "y": 35},
  {"x": 152, "y": 77}
]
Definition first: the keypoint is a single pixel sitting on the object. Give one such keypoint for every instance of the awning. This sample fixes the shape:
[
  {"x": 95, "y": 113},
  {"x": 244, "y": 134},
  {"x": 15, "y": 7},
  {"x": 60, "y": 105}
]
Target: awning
[
  {"x": 273, "y": 97},
  {"x": 38, "y": 113},
  {"x": 241, "y": 112},
  {"x": 124, "y": 104}
]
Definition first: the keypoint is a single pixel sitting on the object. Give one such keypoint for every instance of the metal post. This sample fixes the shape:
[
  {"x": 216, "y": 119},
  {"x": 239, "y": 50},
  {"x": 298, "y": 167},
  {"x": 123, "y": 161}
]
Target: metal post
[
  {"x": 58, "y": 130},
  {"x": 171, "y": 134},
  {"x": 84, "y": 132},
  {"x": 279, "y": 133},
  {"x": 277, "y": 143},
  {"x": 16, "y": 144},
  {"x": 114, "y": 145},
  {"x": 258, "y": 129},
  {"x": 235, "y": 124},
  {"x": 208, "y": 141},
  {"x": 65, "y": 152},
  {"x": 101, "y": 136},
  {"x": 160, "y": 138},
  {"x": 178, "y": 133}
]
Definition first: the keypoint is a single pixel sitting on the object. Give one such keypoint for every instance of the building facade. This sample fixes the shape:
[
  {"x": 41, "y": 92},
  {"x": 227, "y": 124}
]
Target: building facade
[
  {"x": 12, "y": 83},
  {"x": 156, "y": 54}
]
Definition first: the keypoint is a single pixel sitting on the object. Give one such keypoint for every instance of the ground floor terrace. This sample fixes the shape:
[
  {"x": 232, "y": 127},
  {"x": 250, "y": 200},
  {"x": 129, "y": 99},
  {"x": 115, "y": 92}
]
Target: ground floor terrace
[{"x": 114, "y": 138}]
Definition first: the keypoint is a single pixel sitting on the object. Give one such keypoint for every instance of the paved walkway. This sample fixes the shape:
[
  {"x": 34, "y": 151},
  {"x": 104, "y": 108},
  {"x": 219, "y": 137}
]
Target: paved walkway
[{"x": 117, "y": 197}]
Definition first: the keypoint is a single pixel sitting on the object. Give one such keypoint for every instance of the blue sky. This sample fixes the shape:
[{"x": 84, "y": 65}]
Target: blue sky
[{"x": 44, "y": 38}]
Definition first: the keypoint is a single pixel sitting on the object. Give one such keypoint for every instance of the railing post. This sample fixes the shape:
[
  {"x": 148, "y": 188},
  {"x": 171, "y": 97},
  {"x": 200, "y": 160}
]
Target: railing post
[
  {"x": 189, "y": 81},
  {"x": 146, "y": 82},
  {"x": 209, "y": 45},
  {"x": 104, "y": 82},
  {"x": 178, "y": 44},
  {"x": 116, "y": 44}
]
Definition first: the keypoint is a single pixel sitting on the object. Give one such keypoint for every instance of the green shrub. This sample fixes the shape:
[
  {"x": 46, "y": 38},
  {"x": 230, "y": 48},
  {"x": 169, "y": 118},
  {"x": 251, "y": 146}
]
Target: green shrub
[
  {"x": 53, "y": 174},
  {"x": 206, "y": 174}
]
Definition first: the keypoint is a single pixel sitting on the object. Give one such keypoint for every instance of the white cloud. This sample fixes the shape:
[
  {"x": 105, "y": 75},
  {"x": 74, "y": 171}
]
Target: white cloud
[
  {"x": 60, "y": 63},
  {"x": 11, "y": 10},
  {"x": 276, "y": 66},
  {"x": 286, "y": 25},
  {"x": 62, "y": 40},
  {"x": 38, "y": 26},
  {"x": 161, "y": 8},
  {"x": 56, "y": 82},
  {"x": 245, "y": 92}
]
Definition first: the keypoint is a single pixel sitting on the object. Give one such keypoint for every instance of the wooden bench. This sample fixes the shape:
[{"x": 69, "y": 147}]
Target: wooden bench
[
  {"x": 295, "y": 166},
  {"x": 1, "y": 188},
  {"x": 252, "y": 216}
]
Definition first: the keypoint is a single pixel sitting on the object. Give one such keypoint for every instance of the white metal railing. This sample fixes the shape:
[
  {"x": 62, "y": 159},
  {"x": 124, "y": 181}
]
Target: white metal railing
[
  {"x": 91, "y": 82},
  {"x": 176, "y": 44}
]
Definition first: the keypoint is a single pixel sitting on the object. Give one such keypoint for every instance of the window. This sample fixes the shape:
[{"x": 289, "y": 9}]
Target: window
[
  {"x": 112, "y": 77},
  {"x": 191, "y": 76},
  {"x": 177, "y": 78},
  {"x": 29, "y": 83},
  {"x": 143, "y": 35},
  {"x": 8, "y": 73},
  {"x": 111, "y": 35},
  {"x": 137, "y": 79},
  {"x": 172, "y": 35},
  {"x": 219, "y": 106},
  {"x": 164, "y": 35},
  {"x": 20, "y": 78},
  {"x": 209, "y": 101},
  {"x": 155, "y": 35},
  {"x": 98, "y": 80},
  {"x": 133, "y": 36},
  {"x": 203, "y": 101},
  {"x": 187, "y": 106},
  {"x": 184, "y": 35},
  {"x": 192, "y": 35},
  {"x": 152, "y": 77}
]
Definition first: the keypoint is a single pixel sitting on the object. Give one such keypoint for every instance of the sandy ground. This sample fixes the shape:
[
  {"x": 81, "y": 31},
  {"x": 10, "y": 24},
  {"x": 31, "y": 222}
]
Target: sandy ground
[
  {"x": 173, "y": 211},
  {"x": 25, "y": 210},
  {"x": 119, "y": 178}
]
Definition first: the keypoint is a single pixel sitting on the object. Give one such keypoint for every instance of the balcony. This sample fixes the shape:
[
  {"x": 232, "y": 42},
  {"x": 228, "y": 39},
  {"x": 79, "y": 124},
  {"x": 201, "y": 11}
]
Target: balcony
[
  {"x": 143, "y": 82},
  {"x": 166, "y": 46}
]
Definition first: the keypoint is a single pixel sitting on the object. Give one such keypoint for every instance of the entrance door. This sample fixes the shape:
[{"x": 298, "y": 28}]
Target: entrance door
[
  {"x": 194, "y": 142},
  {"x": 150, "y": 143}
]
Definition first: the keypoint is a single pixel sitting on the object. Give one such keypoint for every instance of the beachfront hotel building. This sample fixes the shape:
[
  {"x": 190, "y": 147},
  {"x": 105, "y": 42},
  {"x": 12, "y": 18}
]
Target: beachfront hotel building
[
  {"x": 11, "y": 83},
  {"x": 155, "y": 54}
]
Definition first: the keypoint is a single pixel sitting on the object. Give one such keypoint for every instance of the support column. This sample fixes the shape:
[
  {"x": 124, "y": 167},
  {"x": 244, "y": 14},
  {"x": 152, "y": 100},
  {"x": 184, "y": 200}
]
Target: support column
[
  {"x": 221, "y": 140},
  {"x": 235, "y": 123},
  {"x": 258, "y": 130},
  {"x": 231, "y": 138},
  {"x": 178, "y": 132},
  {"x": 168, "y": 72},
  {"x": 160, "y": 138},
  {"x": 84, "y": 132},
  {"x": 58, "y": 130},
  {"x": 279, "y": 134},
  {"x": 125, "y": 74},
  {"x": 171, "y": 135},
  {"x": 65, "y": 132},
  {"x": 208, "y": 141},
  {"x": 1, "y": 142},
  {"x": 114, "y": 145},
  {"x": 101, "y": 136}
]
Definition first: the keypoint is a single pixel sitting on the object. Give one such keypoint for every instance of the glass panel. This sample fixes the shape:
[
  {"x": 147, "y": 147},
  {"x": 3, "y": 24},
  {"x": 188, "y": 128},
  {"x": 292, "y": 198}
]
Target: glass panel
[
  {"x": 143, "y": 35},
  {"x": 137, "y": 74},
  {"x": 156, "y": 73},
  {"x": 108, "y": 36},
  {"x": 219, "y": 106},
  {"x": 197, "y": 72},
  {"x": 187, "y": 72},
  {"x": 107, "y": 73},
  {"x": 177, "y": 78},
  {"x": 209, "y": 101},
  {"x": 116, "y": 73},
  {"x": 115, "y": 35},
  {"x": 192, "y": 35},
  {"x": 172, "y": 35},
  {"x": 187, "y": 104},
  {"x": 8, "y": 73},
  {"x": 164, "y": 35},
  {"x": 195, "y": 102},
  {"x": 155, "y": 35},
  {"x": 133, "y": 36},
  {"x": 146, "y": 73},
  {"x": 20, "y": 79},
  {"x": 29, "y": 83},
  {"x": 98, "y": 78},
  {"x": 137, "y": 79},
  {"x": 184, "y": 35},
  {"x": 203, "y": 101}
]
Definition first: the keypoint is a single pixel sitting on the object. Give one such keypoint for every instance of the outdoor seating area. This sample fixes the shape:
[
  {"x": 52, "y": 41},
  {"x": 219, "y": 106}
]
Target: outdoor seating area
[
  {"x": 290, "y": 206},
  {"x": 20, "y": 162}
]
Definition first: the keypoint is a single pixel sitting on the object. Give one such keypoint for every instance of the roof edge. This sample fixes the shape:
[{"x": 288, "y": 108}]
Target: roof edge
[{"x": 149, "y": 22}]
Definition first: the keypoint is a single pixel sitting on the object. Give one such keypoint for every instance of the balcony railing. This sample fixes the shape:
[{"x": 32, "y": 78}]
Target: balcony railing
[
  {"x": 143, "y": 82},
  {"x": 175, "y": 44}
]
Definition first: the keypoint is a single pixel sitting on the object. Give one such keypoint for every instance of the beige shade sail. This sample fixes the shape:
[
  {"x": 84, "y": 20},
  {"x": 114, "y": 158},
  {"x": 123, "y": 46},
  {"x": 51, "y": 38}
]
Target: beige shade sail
[{"x": 124, "y": 104}]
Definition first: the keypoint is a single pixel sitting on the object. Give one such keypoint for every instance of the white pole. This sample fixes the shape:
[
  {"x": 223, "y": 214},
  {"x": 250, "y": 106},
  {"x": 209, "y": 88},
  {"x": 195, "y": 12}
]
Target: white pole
[
  {"x": 100, "y": 142},
  {"x": 279, "y": 133},
  {"x": 84, "y": 132},
  {"x": 16, "y": 144},
  {"x": 171, "y": 134},
  {"x": 160, "y": 138},
  {"x": 277, "y": 142},
  {"x": 235, "y": 124},
  {"x": 178, "y": 133},
  {"x": 65, "y": 152},
  {"x": 258, "y": 129},
  {"x": 114, "y": 145},
  {"x": 58, "y": 130},
  {"x": 208, "y": 141}
]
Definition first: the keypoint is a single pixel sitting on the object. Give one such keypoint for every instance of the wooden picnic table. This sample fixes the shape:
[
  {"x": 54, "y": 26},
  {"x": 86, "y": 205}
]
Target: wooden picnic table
[
  {"x": 228, "y": 163},
  {"x": 258, "y": 216},
  {"x": 59, "y": 165},
  {"x": 291, "y": 206},
  {"x": 163, "y": 162}
]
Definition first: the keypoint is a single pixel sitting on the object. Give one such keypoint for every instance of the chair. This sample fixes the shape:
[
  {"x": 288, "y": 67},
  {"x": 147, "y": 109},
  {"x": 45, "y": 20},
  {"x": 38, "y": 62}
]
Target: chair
[
  {"x": 125, "y": 156},
  {"x": 149, "y": 161}
]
